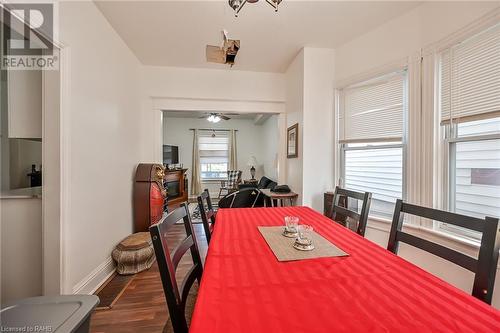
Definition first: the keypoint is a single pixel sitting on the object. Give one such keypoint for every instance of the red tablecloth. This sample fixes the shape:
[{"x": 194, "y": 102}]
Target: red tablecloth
[{"x": 245, "y": 289}]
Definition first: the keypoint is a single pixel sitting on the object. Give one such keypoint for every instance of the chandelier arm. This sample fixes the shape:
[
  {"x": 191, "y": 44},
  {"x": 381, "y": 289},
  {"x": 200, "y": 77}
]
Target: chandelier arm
[
  {"x": 273, "y": 4},
  {"x": 241, "y": 7}
]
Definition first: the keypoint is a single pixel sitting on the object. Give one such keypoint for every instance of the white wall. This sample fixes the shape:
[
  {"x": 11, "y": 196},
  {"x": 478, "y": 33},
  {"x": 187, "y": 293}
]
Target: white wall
[
  {"x": 105, "y": 127},
  {"x": 309, "y": 103},
  {"x": 406, "y": 34},
  {"x": 211, "y": 84},
  {"x": 294, "y": 115},
  {"x": 251, "y": 139},
  {"x": 21, "y": 245},
  {"x": 270, "y": 147},
  {"x": 318, "y": 128},
  {"x": 397, "y": 39},
  {"x": 188, "y": 89}
]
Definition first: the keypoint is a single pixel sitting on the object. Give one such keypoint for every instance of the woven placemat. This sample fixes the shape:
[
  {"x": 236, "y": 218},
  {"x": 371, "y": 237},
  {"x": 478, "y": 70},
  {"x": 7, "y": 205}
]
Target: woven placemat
[{"x": 283, "y": 249}]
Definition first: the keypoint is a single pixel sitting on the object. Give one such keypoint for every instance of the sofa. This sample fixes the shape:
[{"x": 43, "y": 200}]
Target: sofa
[{"x": 264, "y": 183}]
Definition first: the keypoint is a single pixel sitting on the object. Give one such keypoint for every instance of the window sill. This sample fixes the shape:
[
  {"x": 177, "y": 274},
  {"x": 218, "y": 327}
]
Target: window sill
[
  {"x": 384, "y": 225},
  {"x": 212, "y": 180}
]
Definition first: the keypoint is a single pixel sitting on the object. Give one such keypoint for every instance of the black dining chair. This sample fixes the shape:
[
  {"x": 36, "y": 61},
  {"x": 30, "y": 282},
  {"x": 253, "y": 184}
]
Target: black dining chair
[
  {"x": 167, "y": 264},
  {"x": 207, "y": 213},
  {"x": 341, "y": 213},
  {"x": 484, "y": 267}
]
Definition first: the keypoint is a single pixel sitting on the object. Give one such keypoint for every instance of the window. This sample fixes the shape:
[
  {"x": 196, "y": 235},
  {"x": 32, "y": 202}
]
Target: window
[
  {"x": 474, "y": 169},
  {"x": 213, "y": 155},
  {"x": 375, "y": 168},
  {"x": 469, "y": 95},
  {"x": 371, "y": 127}
]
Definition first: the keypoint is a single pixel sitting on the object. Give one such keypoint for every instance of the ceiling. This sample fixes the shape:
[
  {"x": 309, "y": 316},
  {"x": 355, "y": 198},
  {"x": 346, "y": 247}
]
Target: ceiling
[
  {"x": 198, "y": 114},
  {"x": 174, "y": 33}
]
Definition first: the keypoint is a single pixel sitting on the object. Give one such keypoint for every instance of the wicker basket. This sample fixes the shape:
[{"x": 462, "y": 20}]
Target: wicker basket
[{"x": 134, "y": 254}]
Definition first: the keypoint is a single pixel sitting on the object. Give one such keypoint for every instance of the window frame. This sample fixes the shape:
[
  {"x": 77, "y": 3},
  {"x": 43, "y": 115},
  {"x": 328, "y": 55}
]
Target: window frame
[
  {"x": 447, "y": 137},
  {"x": 450, "y": 138},
  {"x": 343, "y": 147},
  {"x": 202, "y": 179},
  {"x": 213, "y": 179}
]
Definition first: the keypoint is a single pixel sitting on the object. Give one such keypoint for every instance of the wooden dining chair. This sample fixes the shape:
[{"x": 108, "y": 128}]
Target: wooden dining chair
[
  {"x": 207, "y": 213},
  {"x": 340, "y": 211},
  {"x": 230, "y": 184},
  {"x": 484, "y": 267},
  {"x": 167, "y": 264}
]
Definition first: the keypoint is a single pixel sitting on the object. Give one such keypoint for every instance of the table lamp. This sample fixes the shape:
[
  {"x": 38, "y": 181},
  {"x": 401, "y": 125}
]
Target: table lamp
[{"x": 252, "y": 162}]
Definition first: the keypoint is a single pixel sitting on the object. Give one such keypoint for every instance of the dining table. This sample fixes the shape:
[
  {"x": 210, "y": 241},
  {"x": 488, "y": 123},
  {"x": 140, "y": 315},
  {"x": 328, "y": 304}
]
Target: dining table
[{"x": 244, "y": 288}]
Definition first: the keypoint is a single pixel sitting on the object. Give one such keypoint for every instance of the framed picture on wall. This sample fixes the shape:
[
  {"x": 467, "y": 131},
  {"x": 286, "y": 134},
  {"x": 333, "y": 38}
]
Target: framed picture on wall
[{"x": 292, "y": 141}]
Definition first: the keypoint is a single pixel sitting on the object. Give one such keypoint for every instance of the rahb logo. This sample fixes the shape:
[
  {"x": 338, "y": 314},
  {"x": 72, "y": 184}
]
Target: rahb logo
[{"x": 27, "y": 35}]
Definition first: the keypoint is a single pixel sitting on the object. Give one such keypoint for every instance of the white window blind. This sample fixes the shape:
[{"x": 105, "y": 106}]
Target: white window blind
[
  {"x": 470, "y": 78},
  {"x": 213, "y": 152},
  {"x": 373, "y": 110}
]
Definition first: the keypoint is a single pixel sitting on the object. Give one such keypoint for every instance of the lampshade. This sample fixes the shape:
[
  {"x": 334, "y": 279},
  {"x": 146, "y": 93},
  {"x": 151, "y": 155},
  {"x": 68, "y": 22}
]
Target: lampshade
[{"x": 252, "y": 161}]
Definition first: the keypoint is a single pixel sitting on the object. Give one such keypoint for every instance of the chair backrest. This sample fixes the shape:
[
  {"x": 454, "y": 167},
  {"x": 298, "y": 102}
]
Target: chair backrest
[
  {"x": 233, "y": 178},
  {"x": 484, "y": 267},
  {"x": 167, "y": 264},
  {"x": 207, "y": 213},
  {"x": 244, "y": 198},
  {"x": 340, "y": 208}
]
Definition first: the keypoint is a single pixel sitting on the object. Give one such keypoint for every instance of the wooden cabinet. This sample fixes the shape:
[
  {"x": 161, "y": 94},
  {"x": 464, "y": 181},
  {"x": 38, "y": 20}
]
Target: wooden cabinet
[
  {"x": 149, "y": 195},
  {"x": 24, "y": 95}
]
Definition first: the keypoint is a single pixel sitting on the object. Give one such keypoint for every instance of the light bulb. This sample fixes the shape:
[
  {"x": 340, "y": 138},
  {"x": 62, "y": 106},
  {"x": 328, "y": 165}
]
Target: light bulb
[
  {"x": 211, "y": 118},
  {"x": 234, "y": 4},
  {"x": 216, "y": 119}
]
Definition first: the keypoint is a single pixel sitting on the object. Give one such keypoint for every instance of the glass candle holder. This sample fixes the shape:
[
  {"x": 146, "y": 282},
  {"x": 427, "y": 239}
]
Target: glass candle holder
[
  {"x": 291, "y": 223},
  {"x": 304, "y": 234}
]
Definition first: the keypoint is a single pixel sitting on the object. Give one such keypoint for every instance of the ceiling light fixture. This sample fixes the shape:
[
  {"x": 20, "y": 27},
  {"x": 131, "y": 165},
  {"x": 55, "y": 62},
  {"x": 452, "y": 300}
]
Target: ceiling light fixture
[
  {"x": 214, "y": 118},
  {"x": 237, "y": 5}
]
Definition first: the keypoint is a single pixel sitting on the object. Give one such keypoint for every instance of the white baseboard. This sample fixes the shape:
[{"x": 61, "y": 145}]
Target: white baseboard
[{"x": 96, "y": 278}]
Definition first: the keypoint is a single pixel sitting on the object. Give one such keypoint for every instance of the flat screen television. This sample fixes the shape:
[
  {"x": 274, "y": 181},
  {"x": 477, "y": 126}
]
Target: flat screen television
[{"x": 170, "y": 154}]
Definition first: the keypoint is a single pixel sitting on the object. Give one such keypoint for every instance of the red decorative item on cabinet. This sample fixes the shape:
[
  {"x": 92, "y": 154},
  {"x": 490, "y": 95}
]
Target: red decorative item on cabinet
[{"x": 149, "y": 195}]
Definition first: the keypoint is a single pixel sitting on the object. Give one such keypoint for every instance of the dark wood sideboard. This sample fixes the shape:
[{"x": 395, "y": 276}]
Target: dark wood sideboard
[{"x": 327, "y": 204}]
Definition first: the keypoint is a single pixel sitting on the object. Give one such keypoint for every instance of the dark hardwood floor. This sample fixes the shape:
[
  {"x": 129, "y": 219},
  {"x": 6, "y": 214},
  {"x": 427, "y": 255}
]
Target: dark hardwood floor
[{"x": 142, "y": 307}]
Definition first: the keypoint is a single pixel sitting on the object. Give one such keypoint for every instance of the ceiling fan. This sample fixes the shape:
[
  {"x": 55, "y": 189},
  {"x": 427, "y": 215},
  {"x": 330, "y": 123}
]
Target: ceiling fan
[
  {"x": 215, "y": 117},
  {"x": 225, "y": 54}
]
